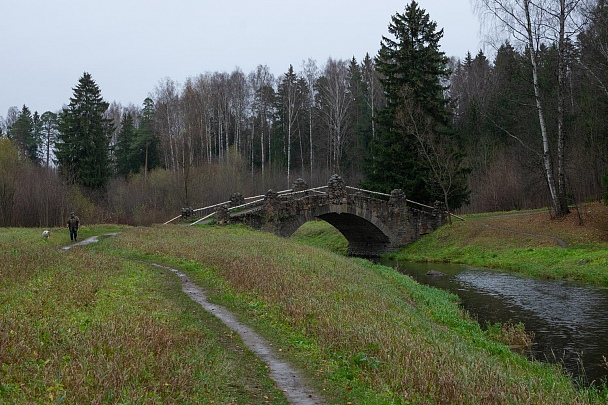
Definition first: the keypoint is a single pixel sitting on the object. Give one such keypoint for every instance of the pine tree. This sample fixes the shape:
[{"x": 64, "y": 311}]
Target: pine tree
[
  {"x": 412, "y": 71},
  {"x": 360, "y": 114},
  {"x": 48, "y": 132},
  {"x": 83, "y": 143},
  {"x": 124, "y": 149},
  {"x": 23, "y": 133},
  {"x": 146, "y": 143}
]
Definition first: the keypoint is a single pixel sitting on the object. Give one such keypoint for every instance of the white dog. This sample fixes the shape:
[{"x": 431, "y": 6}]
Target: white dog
[{"x": 46, "y": 234}]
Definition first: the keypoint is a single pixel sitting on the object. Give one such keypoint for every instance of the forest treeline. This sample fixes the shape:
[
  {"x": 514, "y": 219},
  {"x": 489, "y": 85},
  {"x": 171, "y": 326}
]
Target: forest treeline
[{"x": 523, "y": 128}]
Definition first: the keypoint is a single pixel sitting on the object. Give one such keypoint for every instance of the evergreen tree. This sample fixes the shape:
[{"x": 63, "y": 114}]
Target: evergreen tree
[
  {"x": 593, "y": 97},
  {"x": 412, "y": 71},
  {"x": 48, "y": 131},
  {"x": 124, "y": 150},
  {"x": 290, "y": 103},
  {"x": 83, "y": 142},
  {"x": 23, "y": 133},
  {"x": 360, "y": 114},
  {"x": 146, "y": 143}
]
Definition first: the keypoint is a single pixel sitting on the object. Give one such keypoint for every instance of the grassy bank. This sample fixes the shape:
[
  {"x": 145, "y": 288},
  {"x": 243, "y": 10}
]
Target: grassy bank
[
  {"x": 524, "y": 242},
  {"x": 86, "y": 327},
  {"x": 363, "y": 333},
  {"x": 97, "y": 324}
]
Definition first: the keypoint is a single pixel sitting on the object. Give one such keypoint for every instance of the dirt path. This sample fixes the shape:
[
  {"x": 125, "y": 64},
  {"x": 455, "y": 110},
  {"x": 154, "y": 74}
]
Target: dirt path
[
  {"x": 287, "y": 378},
  {"x": 87, "y": 241}
]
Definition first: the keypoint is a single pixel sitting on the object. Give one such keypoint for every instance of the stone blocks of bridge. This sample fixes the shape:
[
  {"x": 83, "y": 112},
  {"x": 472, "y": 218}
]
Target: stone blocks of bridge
[{"x": 371, "y": 225}]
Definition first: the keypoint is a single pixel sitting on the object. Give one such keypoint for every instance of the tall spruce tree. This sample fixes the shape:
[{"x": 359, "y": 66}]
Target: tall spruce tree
[
  {"x": 412, "y": 72},
  {"x": 23, "y": 132},
  {"x": 124, "y": 151},
  {"x": 360, "y": 113},
  {"x": 83, "y": 142},
  {"x": 146, "y": 143},
  {"x": 48, "y": 131}
]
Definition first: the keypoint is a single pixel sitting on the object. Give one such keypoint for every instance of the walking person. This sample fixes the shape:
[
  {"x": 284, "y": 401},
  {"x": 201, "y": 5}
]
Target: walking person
[{"x": 73, "y": 222}]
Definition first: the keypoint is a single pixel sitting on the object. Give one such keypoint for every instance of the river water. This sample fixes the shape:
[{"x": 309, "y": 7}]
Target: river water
[{"x": 569, "y": 320}]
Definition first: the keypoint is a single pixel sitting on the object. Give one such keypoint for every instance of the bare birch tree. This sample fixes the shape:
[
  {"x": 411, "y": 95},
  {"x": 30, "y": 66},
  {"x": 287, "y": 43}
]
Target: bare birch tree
[
  {"x": 335, "y": 103},
  {"x": 261, "y": 82},
  {"x": 310, "y": 73},
  {"x": 239, "y": 103},
  {"x": 533, "y": 23},
  {"x": 291, "y": 105},
  {"x": 168, "y": 121}
]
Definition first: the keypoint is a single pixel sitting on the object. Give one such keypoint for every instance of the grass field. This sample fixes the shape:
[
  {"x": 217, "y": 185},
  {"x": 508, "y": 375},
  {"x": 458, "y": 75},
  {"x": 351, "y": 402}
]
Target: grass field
[
  {"x": 98, "y": 324},
  {"x": 86, "y": 327},
  {"x": 525, "y": 243}
]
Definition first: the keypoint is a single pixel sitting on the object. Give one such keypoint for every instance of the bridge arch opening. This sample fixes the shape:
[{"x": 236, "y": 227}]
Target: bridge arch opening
[{"x": 366, "y": 237}]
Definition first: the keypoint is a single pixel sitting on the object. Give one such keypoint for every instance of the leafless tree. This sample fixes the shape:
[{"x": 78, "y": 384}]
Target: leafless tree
[
  {"x": 169, "y": 121},
  {"x": 291, "y": 107},
  {"x": 12, "y": 116},
  {"x": 310, "y": 73},
  {"x": 533, "y": 23},
  {"x": 375, "y": 98},
  {"x": 261, "y": 82},
  {"x": 335, "y": 104},
  {"x": 439, "y": 153},
  {"x": 240, "y": 99}
]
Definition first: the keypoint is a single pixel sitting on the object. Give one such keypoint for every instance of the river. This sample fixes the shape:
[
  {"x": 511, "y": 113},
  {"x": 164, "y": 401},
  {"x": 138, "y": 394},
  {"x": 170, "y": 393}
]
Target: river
[{"x": 569, "y": 320}]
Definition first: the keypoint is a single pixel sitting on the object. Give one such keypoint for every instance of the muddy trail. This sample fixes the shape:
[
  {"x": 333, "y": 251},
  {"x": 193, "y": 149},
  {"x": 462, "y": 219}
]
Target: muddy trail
[{"x": 288, "y": 379}]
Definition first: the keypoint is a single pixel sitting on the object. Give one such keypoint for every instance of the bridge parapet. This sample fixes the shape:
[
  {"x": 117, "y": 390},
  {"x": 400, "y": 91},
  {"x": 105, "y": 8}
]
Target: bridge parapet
[{"x": 371, "y": 225}]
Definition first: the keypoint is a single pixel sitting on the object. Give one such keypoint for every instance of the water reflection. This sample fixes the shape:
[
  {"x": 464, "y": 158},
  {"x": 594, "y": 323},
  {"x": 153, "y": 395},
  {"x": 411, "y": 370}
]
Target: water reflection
[{"x": 568, "y": 319}]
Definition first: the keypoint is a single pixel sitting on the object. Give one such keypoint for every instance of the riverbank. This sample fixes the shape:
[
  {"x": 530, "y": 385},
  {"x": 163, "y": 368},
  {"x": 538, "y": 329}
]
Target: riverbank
[
  {"x": 524, "y": 242},
  {"x": 100, "y": 324}
]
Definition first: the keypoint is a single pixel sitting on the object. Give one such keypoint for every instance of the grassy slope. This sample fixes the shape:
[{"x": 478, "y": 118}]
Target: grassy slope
[
  {"x": 523, "y": 242},
  {"x": 84, "y": 326},
  {"x": 72, "y": 323},
  {"x": 364, "y": 333}
]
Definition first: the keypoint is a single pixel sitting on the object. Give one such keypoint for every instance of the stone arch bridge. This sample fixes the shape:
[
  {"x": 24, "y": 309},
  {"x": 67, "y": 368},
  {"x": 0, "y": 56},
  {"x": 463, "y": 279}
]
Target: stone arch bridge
[{"x": 373, "y": 223}]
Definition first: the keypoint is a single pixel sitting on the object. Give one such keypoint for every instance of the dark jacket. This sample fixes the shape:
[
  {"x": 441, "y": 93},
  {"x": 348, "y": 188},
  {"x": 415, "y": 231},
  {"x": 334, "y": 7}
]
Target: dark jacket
[{"x": 73, "y": 222}]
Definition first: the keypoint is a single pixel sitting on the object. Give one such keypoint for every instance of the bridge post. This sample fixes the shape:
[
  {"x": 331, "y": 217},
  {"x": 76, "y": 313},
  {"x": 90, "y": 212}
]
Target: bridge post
[
  {"x": 337, "y": 190},
  {"x": 236, "y": 199},
  {"x": 222, "y": 215},
  {"x": 272, "y": 203},
  {"x": 440, "y": 214},
  {"x": 398, "y": 199},
  {"x": 299, "y": 185}
]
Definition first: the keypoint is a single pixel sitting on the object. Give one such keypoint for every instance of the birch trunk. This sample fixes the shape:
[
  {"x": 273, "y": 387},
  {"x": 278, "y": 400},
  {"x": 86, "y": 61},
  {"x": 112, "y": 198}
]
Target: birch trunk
[{"x": 547, "y": 161}]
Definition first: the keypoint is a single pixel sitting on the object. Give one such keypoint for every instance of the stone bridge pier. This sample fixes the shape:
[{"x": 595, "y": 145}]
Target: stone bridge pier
[{"x": 371, "y": 225}]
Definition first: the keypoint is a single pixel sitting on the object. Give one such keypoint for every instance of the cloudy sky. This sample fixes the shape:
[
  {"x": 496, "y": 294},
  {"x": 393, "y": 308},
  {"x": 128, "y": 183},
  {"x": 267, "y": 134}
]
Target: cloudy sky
[{"x": 128, "y": 46}]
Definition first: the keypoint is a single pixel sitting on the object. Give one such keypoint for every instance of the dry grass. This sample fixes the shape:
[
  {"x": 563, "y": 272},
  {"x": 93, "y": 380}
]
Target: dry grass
[
  {"x": 82, "y": 327},
  {"x": 90, "y": 326},
  {"x": 369, "y": 334},
  {"x": 584, "y": 225},
  {"x": 524, "y": 242}
]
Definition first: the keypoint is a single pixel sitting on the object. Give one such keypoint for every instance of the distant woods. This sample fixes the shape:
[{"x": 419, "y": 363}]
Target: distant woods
[{"x": 525, "y": 127}]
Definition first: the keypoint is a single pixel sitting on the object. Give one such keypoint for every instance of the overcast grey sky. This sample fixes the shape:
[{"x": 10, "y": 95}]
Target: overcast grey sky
[{"x": 128, "y": 46}]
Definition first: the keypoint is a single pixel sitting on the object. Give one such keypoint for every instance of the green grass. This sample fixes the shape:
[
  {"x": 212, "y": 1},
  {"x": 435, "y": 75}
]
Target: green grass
[
  {"x": 322, "y": 235},
  {"x": 364, "y": 333},
  {"x": 470, "y": 243},
  {"x": 83, "y": 326},
  {"x": 98, "y": 324}
]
